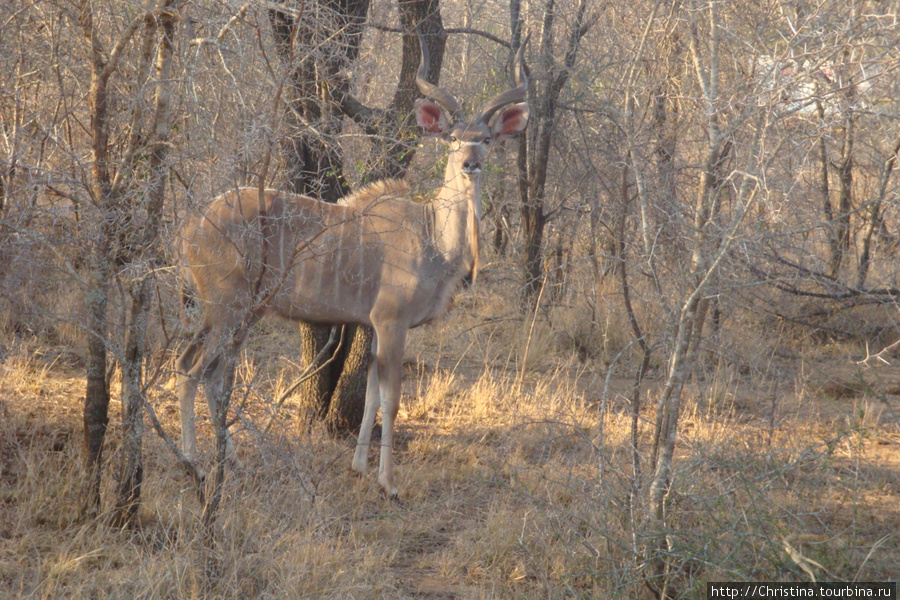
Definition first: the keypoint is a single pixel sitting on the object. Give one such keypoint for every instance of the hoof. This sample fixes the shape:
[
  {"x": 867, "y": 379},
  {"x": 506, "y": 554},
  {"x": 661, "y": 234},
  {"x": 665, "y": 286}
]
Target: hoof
[
  {"x": 360, "y": 460},
  {"x": 358, "y": 467}
]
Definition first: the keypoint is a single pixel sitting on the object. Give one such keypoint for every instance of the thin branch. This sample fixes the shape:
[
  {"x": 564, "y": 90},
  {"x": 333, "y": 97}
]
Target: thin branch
[
  {"x": 307, "y": 374},
  {"x": 189, "y": 466},
  {"x": 113, "y": 62},
  {"x": 824, "y": 280},
  {"x": 225, "y": 28},
  {"x": 878, "y": 356},
  {"x": 449, "y": 30}
]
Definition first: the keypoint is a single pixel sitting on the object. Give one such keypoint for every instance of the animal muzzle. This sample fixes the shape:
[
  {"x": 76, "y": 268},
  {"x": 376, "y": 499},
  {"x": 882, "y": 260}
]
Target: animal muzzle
[{"x": 471, "y": 167}]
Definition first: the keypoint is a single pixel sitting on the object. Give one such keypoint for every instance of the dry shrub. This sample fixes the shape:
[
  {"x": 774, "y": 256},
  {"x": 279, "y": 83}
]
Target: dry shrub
[
  {"x": 592, "y": 335},
  {"x": 499, "y": 471},
  {"x": 39, "y": 300}
]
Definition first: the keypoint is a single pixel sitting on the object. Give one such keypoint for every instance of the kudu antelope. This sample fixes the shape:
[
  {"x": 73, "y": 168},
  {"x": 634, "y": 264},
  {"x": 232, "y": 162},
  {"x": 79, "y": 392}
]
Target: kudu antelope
[{"x": 377, "y": 258}]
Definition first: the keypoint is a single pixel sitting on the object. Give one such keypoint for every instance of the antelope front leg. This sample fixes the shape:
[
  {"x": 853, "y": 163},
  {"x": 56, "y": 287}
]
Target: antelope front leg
[
  {"x": 390, "y": 403},
  {"x": 391, "y": 342},
  {"x": 373, "y": 399},
  {"x": 187, "y": 391}
]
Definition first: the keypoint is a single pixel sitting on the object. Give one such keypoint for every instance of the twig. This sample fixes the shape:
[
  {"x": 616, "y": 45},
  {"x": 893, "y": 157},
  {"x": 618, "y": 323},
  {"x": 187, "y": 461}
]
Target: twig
[
  {"x": 799, "y": 559},
  {"x": 191, "y": 468},
  {"x": 225, "y": 28},
  {"x": 448, "y": 30},
  {"x": 875, "y": 546},
  {"x": 307, "y": 373},
  {"x": 878, "y": 356}
]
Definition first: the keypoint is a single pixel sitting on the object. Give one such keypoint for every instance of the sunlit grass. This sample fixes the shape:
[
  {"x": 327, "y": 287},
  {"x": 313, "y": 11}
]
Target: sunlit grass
[{"x": 499, "y": 472}]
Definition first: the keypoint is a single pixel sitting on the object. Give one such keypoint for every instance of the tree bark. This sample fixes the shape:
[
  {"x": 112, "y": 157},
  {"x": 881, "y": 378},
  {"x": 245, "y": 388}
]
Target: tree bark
[
  {"x": 96, "y": 397},
  {"x": 131, "y": 472},
  {"x": 392, "y": 149},
  {"x": 825, "y": 190},
  {"x": 845, "y": 197},
  {"x": 499, "y": 206},
  {"x": 345, "y": 411}
]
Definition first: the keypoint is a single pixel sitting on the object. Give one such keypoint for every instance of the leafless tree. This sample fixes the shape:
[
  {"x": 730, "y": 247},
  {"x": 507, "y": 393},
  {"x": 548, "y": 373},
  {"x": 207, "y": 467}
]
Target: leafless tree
[{"x": 545, "y": 96}]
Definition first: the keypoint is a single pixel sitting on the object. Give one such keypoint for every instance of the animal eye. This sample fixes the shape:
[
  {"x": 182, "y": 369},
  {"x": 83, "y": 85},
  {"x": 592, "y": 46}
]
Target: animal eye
[
  {"x": 488, "y": 140},
  {"x": 453, "y": 138}
]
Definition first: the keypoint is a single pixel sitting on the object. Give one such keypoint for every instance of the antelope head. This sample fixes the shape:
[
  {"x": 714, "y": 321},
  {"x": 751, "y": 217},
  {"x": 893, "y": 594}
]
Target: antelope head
[{"x": 439, "y": 115}]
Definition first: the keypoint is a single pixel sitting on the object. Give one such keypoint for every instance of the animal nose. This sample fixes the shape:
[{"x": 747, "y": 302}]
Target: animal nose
[{"x": 471, "y": 166}]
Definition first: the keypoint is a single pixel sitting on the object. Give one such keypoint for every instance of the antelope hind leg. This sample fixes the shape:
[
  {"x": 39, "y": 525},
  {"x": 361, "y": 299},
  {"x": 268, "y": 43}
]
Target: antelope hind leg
[
  {"x": 373, "y": 400},
  {"x": 186, "y": 381}
]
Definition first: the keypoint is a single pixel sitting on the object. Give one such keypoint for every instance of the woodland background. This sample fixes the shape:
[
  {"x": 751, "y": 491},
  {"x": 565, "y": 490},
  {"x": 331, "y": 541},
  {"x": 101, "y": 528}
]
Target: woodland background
[{"x": 676, "y": 366}]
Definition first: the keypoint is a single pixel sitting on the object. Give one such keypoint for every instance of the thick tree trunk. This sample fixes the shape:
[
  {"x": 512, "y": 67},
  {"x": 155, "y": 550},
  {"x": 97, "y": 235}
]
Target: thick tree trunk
[
  {"x": 874, "y": 216},
  {"x": 146, "y": 254},
  {"x": 345, "y": 410},
  {"x": 825, "y": 191},
  {"x": 96, "y": 398},
  {"x": 533, "y": 223},
  {"x": 316, "y": 390},
  {"x": 336, "y": 394}
]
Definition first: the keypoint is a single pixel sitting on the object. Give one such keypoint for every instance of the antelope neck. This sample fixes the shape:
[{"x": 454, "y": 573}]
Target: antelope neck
[{"x": 457, "y": 202}]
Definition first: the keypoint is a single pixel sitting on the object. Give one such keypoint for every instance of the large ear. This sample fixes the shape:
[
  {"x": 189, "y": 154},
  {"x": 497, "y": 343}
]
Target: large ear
[
  {"x": 511, "y": 121},
  {"x": 431, "y": 117}
]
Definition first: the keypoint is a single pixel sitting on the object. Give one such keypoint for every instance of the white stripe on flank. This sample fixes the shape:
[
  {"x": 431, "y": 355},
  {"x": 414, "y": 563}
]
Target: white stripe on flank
[
  {"x": 318, "y": 264},
  {"x": 336, "y": 264},
  {"x": 301, "y": 279}
]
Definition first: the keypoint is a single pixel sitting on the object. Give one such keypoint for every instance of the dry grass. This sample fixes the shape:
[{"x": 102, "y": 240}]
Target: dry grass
[{"x": 499, "y": 477}]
